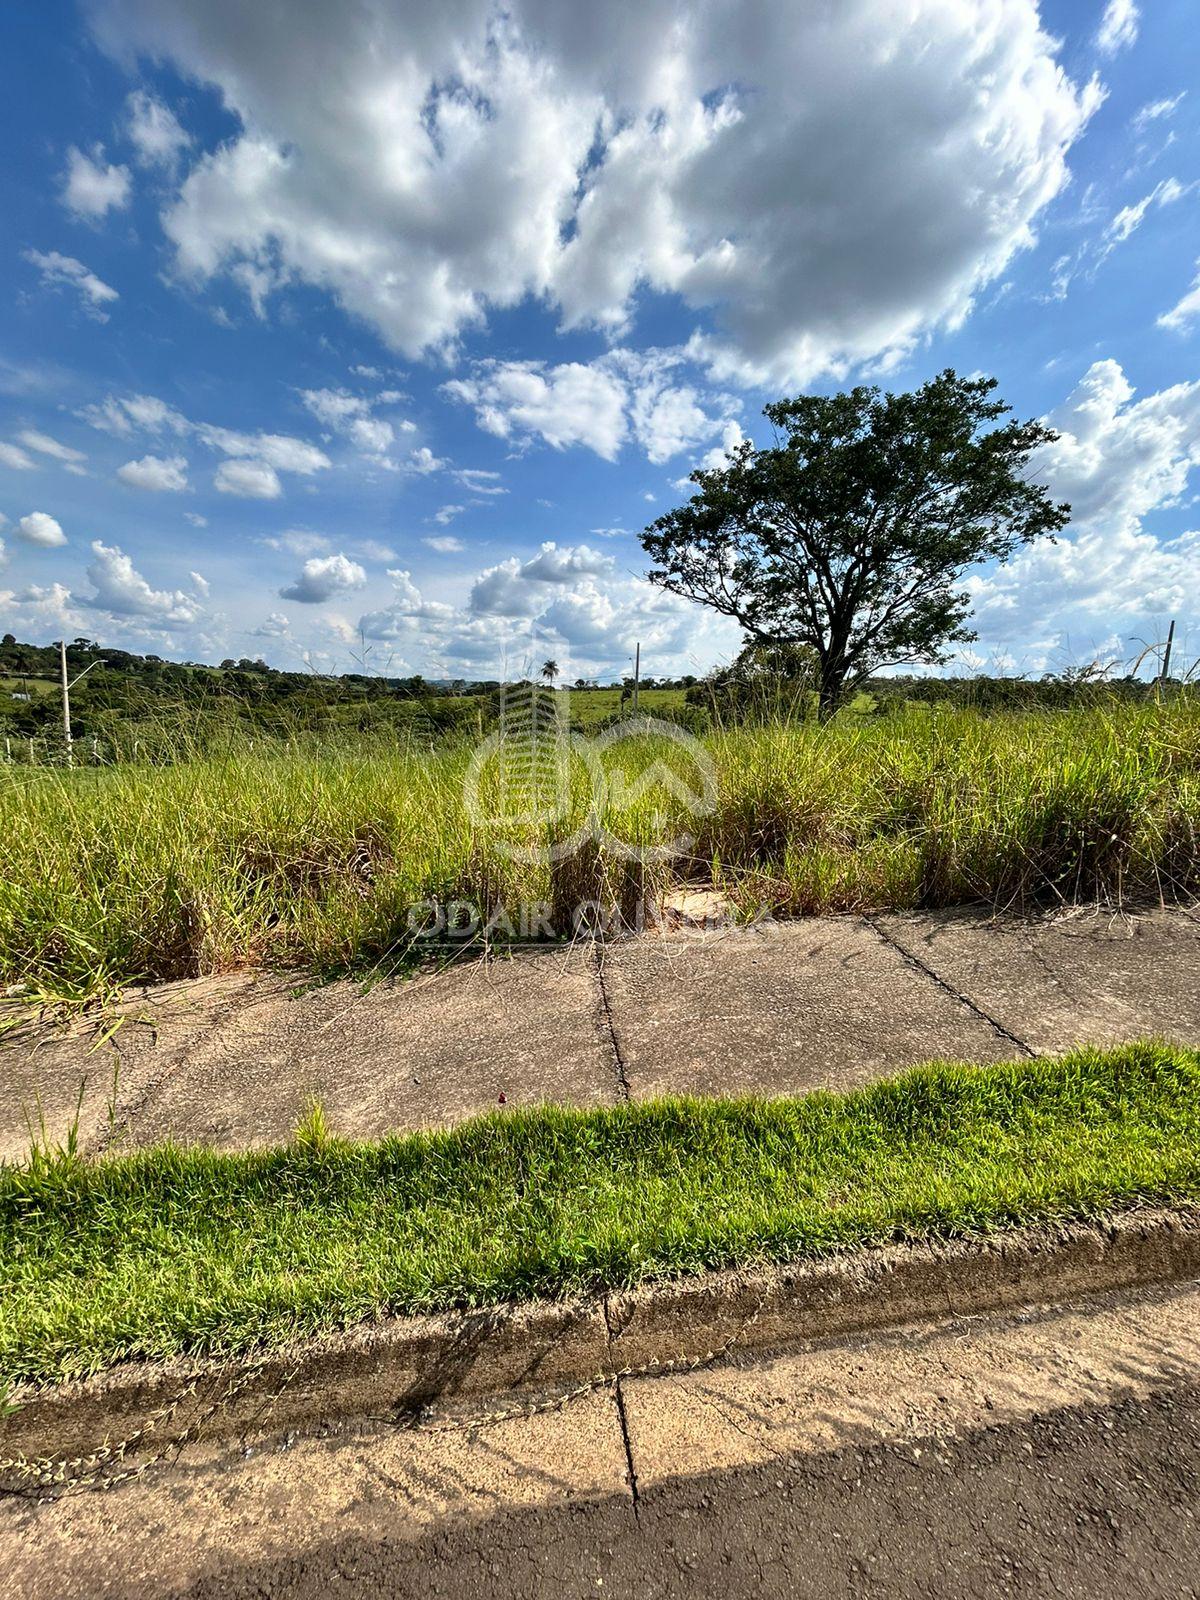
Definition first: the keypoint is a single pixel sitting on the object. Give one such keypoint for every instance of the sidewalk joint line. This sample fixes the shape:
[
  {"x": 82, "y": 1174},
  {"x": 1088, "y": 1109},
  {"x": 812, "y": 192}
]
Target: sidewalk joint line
[
  {"x": 610, "y": 1025},
  {"x": 915, "y": 961}
]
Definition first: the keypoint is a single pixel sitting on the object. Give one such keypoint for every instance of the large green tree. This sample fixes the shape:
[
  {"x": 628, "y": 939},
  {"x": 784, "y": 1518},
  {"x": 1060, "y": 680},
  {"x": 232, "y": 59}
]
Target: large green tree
[{"x": 852, "y": 532}]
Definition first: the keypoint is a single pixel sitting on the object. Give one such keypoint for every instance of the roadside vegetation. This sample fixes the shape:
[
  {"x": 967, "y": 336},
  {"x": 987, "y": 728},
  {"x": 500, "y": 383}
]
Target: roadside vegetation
[
  {"x": 312, "y": 855},
  {"x": 170, "y": 1250}
]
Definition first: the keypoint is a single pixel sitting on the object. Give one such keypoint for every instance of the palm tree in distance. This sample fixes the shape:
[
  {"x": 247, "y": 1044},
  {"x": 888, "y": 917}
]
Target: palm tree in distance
[{"x": 549, "y": 670}]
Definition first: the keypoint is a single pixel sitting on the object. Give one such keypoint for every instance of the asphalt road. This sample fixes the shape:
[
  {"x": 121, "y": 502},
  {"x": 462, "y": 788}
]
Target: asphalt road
[{"x": 1093, "y": 1504}]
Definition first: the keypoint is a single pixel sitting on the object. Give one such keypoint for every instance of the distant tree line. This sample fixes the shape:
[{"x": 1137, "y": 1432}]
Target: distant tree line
[
  {"x": 782, "y": 682},
  {"x": 129, "y": 701},
  {"x": 143, "y": 706},
  {"x": 123, "y": 690}
]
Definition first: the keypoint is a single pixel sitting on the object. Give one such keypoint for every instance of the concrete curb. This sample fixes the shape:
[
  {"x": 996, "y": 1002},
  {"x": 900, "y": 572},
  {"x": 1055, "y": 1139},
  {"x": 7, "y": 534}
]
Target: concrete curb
[{"x": 395, "y": 1367}]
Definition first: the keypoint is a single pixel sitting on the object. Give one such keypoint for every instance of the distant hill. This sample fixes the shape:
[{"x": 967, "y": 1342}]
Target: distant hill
[
  {"x": 122, "y": 687},
  {"x": 125, "y": 695}
]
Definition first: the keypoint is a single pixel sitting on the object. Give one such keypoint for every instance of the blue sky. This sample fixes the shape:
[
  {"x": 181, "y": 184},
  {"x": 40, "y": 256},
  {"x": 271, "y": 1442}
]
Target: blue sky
[{"x": 383, "y": 328}]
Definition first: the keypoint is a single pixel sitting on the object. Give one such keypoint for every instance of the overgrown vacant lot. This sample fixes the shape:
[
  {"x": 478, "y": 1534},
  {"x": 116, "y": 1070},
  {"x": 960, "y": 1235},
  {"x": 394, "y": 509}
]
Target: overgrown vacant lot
[
  {"x": 262, "y": 857},
  {"x": 170, "y": 1250}
]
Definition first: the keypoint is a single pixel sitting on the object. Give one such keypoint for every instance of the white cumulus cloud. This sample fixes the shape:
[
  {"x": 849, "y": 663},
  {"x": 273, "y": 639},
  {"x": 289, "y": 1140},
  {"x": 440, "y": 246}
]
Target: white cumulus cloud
[
  {"x": 352, "y": 415},
  {"x": 91, "y": 187},
  {"x": 1156, "y": 110},
  {"x": 807, "y": 180},
  {"x": 1185, "y": 310},
  {"x": 278, "y": 450},
  {"x": 123, "y": 415},
  {"x": 59, "y": 271},
  {"x": 154, "y": 130},
  {"x": 252, "y": 480},
  {"x": 575, "y": 403},
  {"x": 602, "y": 404},
  {"x": 1106, "y": 578},
  {"x": 1118, "y": 27},
  {"x": 422, "y": 461},
  {"x": 1132, "y": 216},
  {"x": 480, "y": 481},
  {"x": 565, "y": 600},
  {"x": 160, "y": 474},
  {"x": 40, "y": 528},
  {"x": 46, "y": 445},
  {"x": 256, "y": 459},
  {"x": 274, "y": 626},
  {"x": 322, "y": 577},
  {"x": 515, "y": 588},
  {"x": 120, "y": 589}
]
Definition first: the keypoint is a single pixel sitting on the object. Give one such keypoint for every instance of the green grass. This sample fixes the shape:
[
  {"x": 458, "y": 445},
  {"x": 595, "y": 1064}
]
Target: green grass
[
  {"x": 590, "y": 706},
  {"x": 312, "y": 857},
  {"x": 12, "y": 684},
  {"x": 170, "y": 1250}
]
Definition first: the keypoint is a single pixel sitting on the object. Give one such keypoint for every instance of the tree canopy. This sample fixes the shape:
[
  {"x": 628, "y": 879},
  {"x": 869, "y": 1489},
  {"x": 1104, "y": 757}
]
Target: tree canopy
[{"x": 852, "y": 532}]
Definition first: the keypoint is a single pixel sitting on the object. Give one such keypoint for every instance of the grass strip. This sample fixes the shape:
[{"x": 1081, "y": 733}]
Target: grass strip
[{"x": 172, "y": 1250}]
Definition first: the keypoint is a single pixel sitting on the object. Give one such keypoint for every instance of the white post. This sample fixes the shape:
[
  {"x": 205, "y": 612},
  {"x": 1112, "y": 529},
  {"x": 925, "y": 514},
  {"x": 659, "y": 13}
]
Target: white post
[{"x": 66, "y": 698}]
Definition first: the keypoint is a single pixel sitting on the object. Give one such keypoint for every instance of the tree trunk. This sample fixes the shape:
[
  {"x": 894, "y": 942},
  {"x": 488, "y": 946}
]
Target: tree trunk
[{"x": 830, "y": 689}]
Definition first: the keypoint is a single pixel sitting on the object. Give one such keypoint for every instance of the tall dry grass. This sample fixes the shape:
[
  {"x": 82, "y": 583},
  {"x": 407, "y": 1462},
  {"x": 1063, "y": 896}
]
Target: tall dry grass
[{"x": 314, "y": 856}]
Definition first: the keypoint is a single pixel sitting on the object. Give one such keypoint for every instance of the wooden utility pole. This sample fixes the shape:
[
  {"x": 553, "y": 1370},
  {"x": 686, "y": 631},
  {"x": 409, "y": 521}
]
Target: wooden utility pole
[
  {"x": 66, "y": 698},
  {"x": 637, "y": 674},
  {"x": 1166, "y": 666}
]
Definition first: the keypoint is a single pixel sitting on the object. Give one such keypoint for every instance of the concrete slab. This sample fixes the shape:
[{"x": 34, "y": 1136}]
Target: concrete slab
[
  {"x": 1079, "y": 977},
  {"x": 931, "y": 1378},
  {"x": 56, "y": 1080},
  {"x": 404, "y": 1055},
  {"x": 234, "y": 1062},
  {"x": 283, "y": 1500},
  {"x": 1049, "y": 1453},
  {"x": 821, "y": 1003},
  {"x": 824, "y": 1002}
]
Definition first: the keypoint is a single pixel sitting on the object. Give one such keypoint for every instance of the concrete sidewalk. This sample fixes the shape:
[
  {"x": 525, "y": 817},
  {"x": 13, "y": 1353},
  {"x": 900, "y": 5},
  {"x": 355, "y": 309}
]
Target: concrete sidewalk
[{"x": 824, "y": 1002}]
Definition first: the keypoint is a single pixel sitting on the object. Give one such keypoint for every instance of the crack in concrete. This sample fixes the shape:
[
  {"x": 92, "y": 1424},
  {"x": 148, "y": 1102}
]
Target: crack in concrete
[
  {"x": 631, "y": 1470},
  {"x": 610, "y": 1024},
  {"x": 124, "y": 1116},
  {"x": 915, "y": 961}
]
